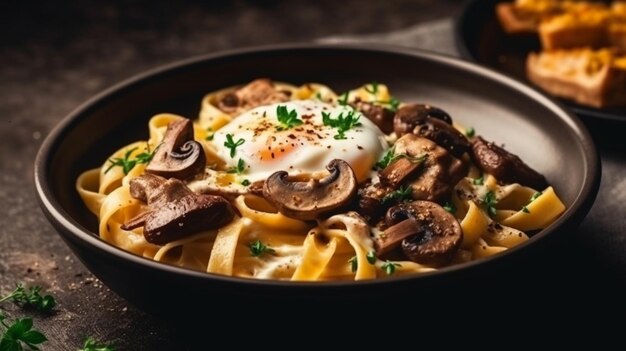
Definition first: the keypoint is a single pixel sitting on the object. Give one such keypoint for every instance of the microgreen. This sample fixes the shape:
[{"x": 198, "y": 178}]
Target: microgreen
[
  {"x": 286, "y": 118},
  {"x": 390, "y": 267},
  {"x": 31, "y": 297},
  {"x": 127, "y": 163},
  {"x": 342, "y": 123},
  {"x": 233, "y": 145},
  {"x": 257, "y": 248}
]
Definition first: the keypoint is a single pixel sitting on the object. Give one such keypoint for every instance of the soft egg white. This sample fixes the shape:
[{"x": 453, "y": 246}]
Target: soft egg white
[{"x": 306, "y": 148}]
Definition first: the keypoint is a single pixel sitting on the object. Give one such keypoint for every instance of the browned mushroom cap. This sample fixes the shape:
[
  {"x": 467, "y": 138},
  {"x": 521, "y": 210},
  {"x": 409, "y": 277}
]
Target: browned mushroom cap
[
  {"x": 431, "y": 123},
  {"x": 504, "y": 165},
  {"x": 428, "y": 233},
  {"x": 179, "y": 155},
  {"x": 256, "y": 93},
  {"x": 441, "y": 171},
  {"x": 308, "y": 200},
  {"x": 382, "y": 117},
  {"x": 175, "y": 211}
]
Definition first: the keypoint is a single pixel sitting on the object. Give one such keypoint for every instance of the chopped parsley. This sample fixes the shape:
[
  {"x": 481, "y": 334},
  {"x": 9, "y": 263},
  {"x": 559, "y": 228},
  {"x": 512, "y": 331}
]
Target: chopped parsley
[
  {"x": 390, "y": 267},
  {"x": 127, "y": 163},
  {"x": 479, "y": 181},
  {"x": 240, "y": 168},
  {"x": 245, "y": 182},
  {"x": 371, "y": 257},
  {"x": 470, "y": 132},
  {"x": 490, "y": 202},
  {"x": 210, "y": 136},
  {"x": 393, "y": 104},
  {"x": 343, "y": 99},
  {"x": 403, "y": 193},
  {"x": 342, "y": 123},
  {"x": 286, "y": 118},
  {"x": 388, "y": 159},
  {"x": 532, "y": 198},
  {"x": 372, "y": 88},
  {"x": 354, "y": 264},
  {"x": 233, "y": 145},
  {"x": 449, "y": 206},
  {"x": 257, "y": 248}
]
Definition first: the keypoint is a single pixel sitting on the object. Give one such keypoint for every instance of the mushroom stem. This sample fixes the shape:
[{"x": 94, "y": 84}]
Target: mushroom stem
[{"x": 392, "y": 237}]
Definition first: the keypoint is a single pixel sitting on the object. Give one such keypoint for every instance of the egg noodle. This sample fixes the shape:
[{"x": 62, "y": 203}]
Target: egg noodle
[{"x": 338, "y": 247}]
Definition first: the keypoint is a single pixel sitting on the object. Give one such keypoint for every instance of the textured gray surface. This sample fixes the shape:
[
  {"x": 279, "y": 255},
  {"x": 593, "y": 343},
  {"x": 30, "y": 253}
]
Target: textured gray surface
[{"x": 52, "y": 58}]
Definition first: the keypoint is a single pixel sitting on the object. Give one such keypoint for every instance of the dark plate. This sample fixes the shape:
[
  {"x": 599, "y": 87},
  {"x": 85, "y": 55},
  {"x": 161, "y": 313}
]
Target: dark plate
[
  {"x": 501, "y": 109},
  {"x": 480, "y": 38}
]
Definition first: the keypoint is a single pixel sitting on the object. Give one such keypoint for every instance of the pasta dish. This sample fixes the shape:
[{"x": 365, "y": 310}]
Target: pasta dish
[{"x": 277, "y": 181}]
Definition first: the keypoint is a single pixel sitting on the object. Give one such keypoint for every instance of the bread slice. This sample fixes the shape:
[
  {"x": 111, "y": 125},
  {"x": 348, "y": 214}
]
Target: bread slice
[
  {"x": 594, "y": 78},
  {"x": 524, "y": 16},
  {"x": 572, "y": 30}
]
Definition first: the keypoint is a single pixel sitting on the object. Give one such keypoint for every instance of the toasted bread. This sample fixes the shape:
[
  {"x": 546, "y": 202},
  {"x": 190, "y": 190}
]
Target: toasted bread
[{"x": 595, "y": 78}]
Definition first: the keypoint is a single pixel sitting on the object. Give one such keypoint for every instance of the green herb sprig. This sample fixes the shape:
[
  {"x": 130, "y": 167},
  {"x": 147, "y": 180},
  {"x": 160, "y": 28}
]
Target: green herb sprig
[
  {"x": 372, "y": 88},
  {"x": 470, "y": 132},
  {"x": 127, "y": 163},
  {"x": 342, "y": 100},
  {"x": 480, "y": 180},
  {"x": 232, "y": 144},
  {"x": 449, "y": 206},
  {"x": 92, "y": 345},
  {"x": 343, "y": 124},
  {"x": 371, "y": 257},
  {"x": 403, "y": 193},
  {"x": 31, "y": 297},
  {"x": 354, "y": 264},
  {"x": 532, "y": 198},
  {"x": 257, "y": 248},
  {"x": 19, "y": 333},
  {"x": 286, "y": 118},
  {"x": 392, "y": 104}
]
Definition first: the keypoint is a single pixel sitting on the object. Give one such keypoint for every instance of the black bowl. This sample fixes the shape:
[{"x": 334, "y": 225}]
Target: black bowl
[
  {"x": 499, "y": 108},
  {"x": 479, "y": 37}
]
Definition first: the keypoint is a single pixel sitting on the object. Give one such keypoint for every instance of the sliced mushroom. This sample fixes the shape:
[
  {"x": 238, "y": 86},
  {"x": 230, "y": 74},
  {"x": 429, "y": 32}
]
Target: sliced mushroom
[
  {"x": 427, "y": 233},
  {"x": 504, "y": 165},
  {"x": 371, "y": 203},
  {"x": 310, "y": 199},
  {"x": 179, "y": 155},
  {"x": 382, "y": 117},
  {"x": 256, "y": 93},
  {"x": 174, "y": 210},
  {"x": 431, "y": 123},
  {"x": 441, "y": 171}
]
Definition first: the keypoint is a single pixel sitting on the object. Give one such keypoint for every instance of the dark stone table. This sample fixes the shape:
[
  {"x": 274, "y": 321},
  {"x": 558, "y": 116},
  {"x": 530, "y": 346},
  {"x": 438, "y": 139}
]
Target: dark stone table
[{"x": 54, "y": 56}]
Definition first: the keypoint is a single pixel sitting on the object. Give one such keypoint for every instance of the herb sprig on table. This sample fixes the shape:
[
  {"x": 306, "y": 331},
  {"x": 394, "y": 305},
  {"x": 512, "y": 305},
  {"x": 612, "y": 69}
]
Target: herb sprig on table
[{"x": 31, "y": 297}]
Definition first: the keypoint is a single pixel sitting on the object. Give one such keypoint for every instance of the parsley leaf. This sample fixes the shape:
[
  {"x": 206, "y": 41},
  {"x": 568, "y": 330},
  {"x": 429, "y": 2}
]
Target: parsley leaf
[
  {"x": 240, "y": 168},
  {"x": 92, "y": 345},
  {"x": 354, "y": 264},
  {"x": 257, "y": 248},
  {"x": 525, "y": 209},
  {"x": 387, "y": 159},
  {"x": 490, "y": 202},
  {"x": 532, "y": 198},
  {"x": 403, "y": 193},
  {"x": 390, "y": 267},
  {"x": 127, "y": 163},
  {"x": 233, "y": 145},
  {"x": 245, "y": 182},
  {"x": 31, "y": 298},
  {"x": 287, "y": 118},
  {"x": 470, "y": 132},
  {"x": 449, "y": 206},
  {"x": 210, "y": 136},
  {"x": 342, "y": 123},
  {"x": 18, "y": 333}
]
